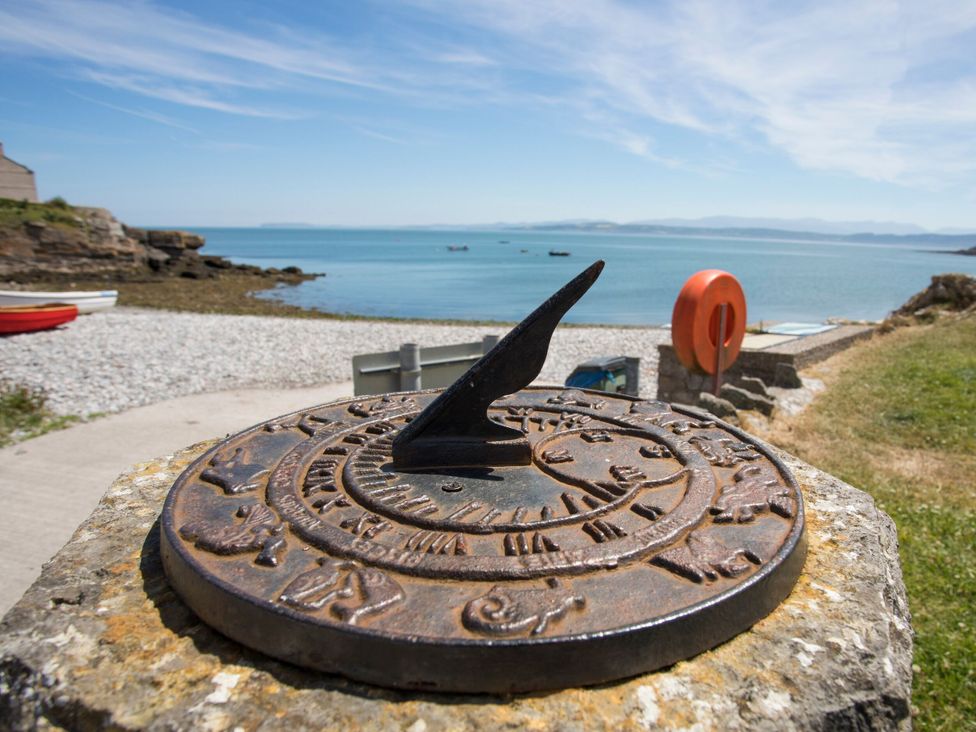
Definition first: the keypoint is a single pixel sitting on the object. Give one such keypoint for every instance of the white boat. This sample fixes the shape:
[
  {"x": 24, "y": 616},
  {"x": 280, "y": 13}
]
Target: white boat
[{"x": 87, "y": 301}]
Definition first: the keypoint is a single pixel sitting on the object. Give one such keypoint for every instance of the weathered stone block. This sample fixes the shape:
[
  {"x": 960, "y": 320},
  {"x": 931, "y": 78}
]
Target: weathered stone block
[
  {"x": 787, "y": 377},
  {"x": 752, "y": 384},
  {"x": 101, "y": 642},
  {"x": 743, "y": 399},
  {"x": 721, "y": 408}
]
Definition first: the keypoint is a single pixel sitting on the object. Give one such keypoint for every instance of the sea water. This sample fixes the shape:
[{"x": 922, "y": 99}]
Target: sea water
[{"x": 503, "y": 275}]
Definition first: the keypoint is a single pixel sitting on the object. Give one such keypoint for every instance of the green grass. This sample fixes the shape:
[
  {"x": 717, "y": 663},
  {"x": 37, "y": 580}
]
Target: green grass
[
  {"x": 24, "y": 414},
  {"x": 899, "y": 421},
  {"x": 55, "y": 211}
]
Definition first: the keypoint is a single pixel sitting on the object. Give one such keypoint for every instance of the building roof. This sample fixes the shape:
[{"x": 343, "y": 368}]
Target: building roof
[{"x": 10, "y": 160}]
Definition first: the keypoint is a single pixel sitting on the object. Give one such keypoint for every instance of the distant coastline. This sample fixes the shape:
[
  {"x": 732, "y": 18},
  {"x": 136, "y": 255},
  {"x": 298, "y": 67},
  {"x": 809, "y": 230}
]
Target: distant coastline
[
  {"x": 955, "y": 243},
  {"x": 959, "y": 240}
]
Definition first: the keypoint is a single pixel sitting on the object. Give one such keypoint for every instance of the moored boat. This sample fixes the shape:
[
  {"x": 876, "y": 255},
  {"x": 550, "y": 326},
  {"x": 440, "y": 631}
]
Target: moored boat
[
  {"x": 555, "y": 253},
  {"x": 35, "y": 317},
  {"x": 86, "y": 301}
]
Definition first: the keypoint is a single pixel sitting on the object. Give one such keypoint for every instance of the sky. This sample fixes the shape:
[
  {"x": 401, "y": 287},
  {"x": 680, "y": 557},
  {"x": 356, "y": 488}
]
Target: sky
[{"x": 422, "y": 112}]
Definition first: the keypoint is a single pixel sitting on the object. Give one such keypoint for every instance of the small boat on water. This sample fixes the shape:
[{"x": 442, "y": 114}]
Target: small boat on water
[
  {"x": 556, "y": 253},
  {"x": 456, "y": 248},
  {"x": 86, "y": 301},
  {"x": 35, "y": 317}
]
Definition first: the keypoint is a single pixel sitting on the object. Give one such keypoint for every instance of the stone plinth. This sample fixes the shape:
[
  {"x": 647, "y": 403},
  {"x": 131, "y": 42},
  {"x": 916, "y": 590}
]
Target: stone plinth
[
  {"x": 101, "y": 642},
  {"x": 775, "y": 365}
]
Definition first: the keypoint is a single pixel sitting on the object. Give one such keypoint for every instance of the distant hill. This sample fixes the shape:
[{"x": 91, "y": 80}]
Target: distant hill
[
  {"x": 868, "y": 237},
  {"x": 288, "y": 225},
  {"x": 804, "y": 225}
]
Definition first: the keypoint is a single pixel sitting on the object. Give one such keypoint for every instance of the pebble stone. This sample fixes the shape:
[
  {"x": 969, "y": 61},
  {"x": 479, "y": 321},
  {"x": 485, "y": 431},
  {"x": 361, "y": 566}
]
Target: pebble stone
[{"x": 121, "y": 358}]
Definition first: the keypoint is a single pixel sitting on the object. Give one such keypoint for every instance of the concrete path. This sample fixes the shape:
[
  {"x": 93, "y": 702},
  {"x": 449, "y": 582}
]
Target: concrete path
[{"x": 50, "y": 484}]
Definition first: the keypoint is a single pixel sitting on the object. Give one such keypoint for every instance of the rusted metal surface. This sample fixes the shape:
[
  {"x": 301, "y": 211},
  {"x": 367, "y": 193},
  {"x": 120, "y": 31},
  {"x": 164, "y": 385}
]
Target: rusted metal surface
[
  {"x": 455, "y": 429},
  {"x": 630, "y": 536}
]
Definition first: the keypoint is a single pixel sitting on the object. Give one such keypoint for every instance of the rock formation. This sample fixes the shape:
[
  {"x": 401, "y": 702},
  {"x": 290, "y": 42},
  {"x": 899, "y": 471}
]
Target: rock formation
[{"x": 55, "y": 240}]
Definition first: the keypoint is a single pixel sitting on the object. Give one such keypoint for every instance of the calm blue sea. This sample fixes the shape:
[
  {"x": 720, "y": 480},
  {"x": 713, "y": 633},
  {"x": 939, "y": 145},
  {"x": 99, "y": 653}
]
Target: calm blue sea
[{"x": 505, "y": 274}]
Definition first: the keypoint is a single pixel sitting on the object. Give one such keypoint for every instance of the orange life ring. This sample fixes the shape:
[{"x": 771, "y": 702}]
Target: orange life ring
[{"x": 696, "y": 316}]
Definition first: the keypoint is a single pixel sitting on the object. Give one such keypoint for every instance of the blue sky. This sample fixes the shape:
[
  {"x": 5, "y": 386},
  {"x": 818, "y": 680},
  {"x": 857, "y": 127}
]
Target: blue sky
[{"x": 418, "y": 112}]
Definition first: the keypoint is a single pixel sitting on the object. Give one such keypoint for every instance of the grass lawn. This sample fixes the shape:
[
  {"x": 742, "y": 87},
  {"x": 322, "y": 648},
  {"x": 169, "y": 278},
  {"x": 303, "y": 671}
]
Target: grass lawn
[{"x": 899, "y": 421}]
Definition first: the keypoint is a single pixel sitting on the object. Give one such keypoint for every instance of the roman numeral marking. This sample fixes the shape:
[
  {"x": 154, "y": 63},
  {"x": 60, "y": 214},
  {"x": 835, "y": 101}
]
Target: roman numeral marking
[
  {"x": 324, "y": 505},
  {"x": 557, "y": 456},
  {"x": 391, "y": 493},
  {"x": 591, "y": 502},
  {"x": 571, "y": 505},
  {"x": 516, "y": 545},
  {"x": 467, "y": 508},
  {"x": 436, "y": 542},
  {"x": 647, "y": 511},
  {"x": 601, "y": 531},
  {"x": 658, "y": 451},
  {"x": 367, "y": 525},
  {"x": 626, "y": 473},
  {"x": 489, "y": 516}
]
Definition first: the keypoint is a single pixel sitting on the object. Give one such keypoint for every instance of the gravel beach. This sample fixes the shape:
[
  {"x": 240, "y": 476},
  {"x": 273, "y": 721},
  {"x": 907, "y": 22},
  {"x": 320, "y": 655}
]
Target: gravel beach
[{"x": 127, "y": 357}]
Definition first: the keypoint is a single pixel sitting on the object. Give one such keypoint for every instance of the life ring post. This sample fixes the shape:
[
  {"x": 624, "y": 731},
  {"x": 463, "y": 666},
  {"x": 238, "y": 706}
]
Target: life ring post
[{"x": 720, "y": 347}]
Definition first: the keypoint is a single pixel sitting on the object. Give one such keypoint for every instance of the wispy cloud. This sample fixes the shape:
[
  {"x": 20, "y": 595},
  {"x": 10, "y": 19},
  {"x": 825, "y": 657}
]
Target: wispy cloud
[
  {"x": 881, "y": 90},
  {"x": 140, "y": 113},
  {"x": 885, "y": 91}
]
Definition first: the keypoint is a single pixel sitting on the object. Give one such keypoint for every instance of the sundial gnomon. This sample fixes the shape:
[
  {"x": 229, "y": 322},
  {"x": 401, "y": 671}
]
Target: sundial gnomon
[{"x": 494, "y": 537}]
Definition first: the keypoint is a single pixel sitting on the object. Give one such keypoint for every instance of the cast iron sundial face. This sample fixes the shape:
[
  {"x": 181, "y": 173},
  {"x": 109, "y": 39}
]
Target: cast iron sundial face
[{"x": 547, "y": 537}]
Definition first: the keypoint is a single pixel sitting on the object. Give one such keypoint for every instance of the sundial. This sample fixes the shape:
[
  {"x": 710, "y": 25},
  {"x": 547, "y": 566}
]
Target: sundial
[{"x": 493, "y": 537}]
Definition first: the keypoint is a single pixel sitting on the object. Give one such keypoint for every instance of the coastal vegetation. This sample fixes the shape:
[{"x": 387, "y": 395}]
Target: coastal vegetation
[
  {"x": 24, "y": 414},
  {"x": 56, "y": 212},
  {"x": 898, "y": 420}
]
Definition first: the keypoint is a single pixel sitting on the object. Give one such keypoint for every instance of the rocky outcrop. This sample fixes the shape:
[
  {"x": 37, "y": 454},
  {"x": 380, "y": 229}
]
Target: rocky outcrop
[
  {"x": 954, "y": 292},
  {"x": 94, "y": 242},
  {"x": 90, "y": 243},
  {"x": 947, "y": 294}
]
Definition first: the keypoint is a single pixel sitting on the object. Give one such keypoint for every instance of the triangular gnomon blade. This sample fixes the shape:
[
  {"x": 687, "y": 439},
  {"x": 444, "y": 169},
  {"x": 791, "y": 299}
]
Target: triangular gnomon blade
[{"x": 454, "y": 429}]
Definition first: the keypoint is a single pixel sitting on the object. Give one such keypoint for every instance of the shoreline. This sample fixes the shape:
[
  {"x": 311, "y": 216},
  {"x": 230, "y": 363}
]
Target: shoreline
[{"x": 236, "y": 294}]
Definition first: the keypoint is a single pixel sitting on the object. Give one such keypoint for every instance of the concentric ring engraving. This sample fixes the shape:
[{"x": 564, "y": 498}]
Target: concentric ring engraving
[{"x": 630, "y": 517}]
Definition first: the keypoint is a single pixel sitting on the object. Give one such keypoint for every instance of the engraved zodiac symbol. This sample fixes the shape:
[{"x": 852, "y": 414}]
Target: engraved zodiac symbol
[
  {"x": 504, "y": 611},
  {"x": 385, "y": 407},
  {"x": 371, "y": 590},
  {"x": 679, "y": 424},
  {"x": 574, "y": 397},
  {"x": 233, "y": 474},
  {"x": 316, "y": 426},
  {"x": 260, "y": 529},
  {"x": 752, "y": 494},
  {"x": 702, "y": 557},
  {"x": 722, "y": 451}
]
